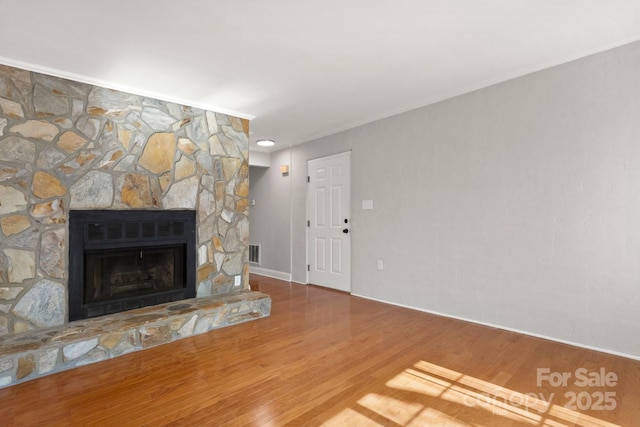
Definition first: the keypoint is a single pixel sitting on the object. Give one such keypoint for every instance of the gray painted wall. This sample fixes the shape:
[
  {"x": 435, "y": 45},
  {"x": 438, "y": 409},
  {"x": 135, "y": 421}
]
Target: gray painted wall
[
  {"x": 270, "y": 224},
  {"x": 517, "y": 205}
]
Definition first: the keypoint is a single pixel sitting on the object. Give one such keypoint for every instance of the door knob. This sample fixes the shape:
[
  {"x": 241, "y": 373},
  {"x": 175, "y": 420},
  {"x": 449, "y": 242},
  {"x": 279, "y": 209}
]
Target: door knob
[{"x": 345, "y": 231}]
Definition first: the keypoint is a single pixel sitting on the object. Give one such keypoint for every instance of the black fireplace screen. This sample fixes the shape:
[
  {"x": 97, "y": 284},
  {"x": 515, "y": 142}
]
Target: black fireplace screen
[
  {"x": 130, "y": 272},
  {"x": 120, "y": 260}
]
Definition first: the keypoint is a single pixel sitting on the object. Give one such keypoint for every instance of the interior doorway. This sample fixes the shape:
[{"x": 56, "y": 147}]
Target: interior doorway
[{"x": 329, "y": 221}]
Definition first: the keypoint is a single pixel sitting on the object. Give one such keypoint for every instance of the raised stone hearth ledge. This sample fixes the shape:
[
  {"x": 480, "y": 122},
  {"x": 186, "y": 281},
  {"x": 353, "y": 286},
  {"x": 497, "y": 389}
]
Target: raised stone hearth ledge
[{"x": 38, "y": 353}]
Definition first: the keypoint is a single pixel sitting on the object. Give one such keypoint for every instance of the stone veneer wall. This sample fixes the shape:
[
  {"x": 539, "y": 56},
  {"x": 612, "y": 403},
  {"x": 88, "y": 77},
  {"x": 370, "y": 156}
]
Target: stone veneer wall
[{"x": 68, "y": 145}]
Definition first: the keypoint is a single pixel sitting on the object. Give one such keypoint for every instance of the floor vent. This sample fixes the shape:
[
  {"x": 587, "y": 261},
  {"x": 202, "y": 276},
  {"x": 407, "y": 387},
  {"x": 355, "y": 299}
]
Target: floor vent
[{"x": 254, "y": 254}]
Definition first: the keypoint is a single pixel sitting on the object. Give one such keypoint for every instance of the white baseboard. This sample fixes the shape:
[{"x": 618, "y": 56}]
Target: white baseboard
[
  {"x": 491, "y": 325},
  {"x": 270, "y": 273}
]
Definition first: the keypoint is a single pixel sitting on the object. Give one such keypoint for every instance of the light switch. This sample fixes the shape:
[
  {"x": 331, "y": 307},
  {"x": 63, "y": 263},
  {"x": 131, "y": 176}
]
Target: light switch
[{"x": 367, "y": 204}]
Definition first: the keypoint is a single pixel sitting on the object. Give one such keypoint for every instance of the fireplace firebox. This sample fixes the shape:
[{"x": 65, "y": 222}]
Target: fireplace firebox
[{"x": 125, "y": 259}]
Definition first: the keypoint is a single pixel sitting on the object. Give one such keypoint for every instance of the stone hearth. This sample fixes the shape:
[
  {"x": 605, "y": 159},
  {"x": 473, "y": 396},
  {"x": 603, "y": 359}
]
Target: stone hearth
[{"x": 34, "y": 354}]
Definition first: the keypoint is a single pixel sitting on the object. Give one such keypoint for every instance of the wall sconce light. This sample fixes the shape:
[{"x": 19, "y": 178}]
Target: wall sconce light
[{"x": 284, "y": 170}]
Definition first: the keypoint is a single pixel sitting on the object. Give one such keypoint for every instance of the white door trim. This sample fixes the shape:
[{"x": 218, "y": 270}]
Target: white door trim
[{"x": 346, "y": 154}]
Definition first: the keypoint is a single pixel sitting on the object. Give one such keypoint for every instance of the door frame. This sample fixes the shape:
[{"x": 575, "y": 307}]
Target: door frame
[{"x": 308, "y": 213}]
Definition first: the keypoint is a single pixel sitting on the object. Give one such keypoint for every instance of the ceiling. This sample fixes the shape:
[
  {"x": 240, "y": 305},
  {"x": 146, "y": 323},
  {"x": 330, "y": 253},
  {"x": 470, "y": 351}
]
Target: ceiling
[{"x": 305, "y": 69}]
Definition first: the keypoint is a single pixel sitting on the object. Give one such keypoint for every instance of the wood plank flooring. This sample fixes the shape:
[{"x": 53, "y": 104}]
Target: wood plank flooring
[{"x": 327, "y": 358}]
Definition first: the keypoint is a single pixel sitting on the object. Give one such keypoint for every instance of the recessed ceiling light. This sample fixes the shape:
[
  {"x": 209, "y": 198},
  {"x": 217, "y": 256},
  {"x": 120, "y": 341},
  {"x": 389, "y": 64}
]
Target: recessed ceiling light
[{"x": 265, "y": 142}]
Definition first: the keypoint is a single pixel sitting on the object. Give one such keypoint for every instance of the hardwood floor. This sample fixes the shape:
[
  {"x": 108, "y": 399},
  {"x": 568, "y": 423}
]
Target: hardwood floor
[{"x": 327, "y": 358}]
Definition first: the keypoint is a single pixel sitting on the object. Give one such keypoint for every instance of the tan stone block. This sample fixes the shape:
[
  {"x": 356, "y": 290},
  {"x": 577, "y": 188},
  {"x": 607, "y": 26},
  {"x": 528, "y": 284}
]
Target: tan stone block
[
  {"x": 210, "y": 304},
  {"x": 245, "y": 127},
  {"x": 245, "y": 276},
  {"x": 230, "y": 166},
  {"x": 37, "y": 129},
  {"x": 244, "y": 170},
  {"x": 14, "y": 224},
  {"x": 67, "y": 170},
  {"x": 63, "y": 122},
  {"x": 206, "y": 271},
  {"x": 176, "y": 324},
  {"x": 242, "y": 189},
  {"x": 46, "y": 186},
  {"x": 19, "y": 327},
  {"x": 185, "y": 168},
  {"x": 85, "y": 158},
  {"x": 136, "y": 191},
  {"x": 107, "y": 163},
  {"x": 26, "y": 366},
  {"x": 242, "y": 206},
  {"x": 220, "y": 190},
  {"x": 236, "y": 124},
  {"x": 187, "y": 146},
  {"x": 111, "y": 340},
  {"x": 11, "y": 109},
  {"x": 116, "y": 155},
  {"x": 124, "y": 136},
  {"x": 165, "y": 181},
  {"x": 7, "y": 173},
  {"x": 151, "y": 336},
  {"x": 221, "y": 279},
  {"x": 217, "y": 244},
  {"x": 97, "y": 111},
  {"x": 159, "y": 153},
  {"x": 48, "y": 209},
  {"x": 71, "y": 141},
  {"x": 215, "y": 146}
]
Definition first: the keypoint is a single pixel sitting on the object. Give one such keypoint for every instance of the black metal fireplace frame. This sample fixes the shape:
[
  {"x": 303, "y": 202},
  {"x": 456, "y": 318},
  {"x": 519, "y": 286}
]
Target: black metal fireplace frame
[{"x": 79, "y": 243}]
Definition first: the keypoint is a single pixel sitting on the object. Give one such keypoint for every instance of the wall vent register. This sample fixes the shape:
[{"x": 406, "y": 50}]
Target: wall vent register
[{"x": 254, "y": 254}]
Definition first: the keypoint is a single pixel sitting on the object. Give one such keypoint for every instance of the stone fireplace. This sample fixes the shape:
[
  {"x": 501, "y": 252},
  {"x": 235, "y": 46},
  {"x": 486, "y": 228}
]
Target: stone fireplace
[
  {"x": 152, "y": 194},
  {"x": 67, "y": 146}
]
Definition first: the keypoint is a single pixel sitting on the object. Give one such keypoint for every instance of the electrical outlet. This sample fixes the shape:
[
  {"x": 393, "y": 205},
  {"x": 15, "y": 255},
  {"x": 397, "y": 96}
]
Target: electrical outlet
[{"x": 380, "y": 265}]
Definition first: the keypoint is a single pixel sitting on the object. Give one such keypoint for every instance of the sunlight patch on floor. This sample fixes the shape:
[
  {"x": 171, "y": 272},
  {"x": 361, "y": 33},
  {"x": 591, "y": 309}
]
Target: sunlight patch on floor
[
  {"x": 395, "y": 410},
  {"x": 428, "y": 394}
]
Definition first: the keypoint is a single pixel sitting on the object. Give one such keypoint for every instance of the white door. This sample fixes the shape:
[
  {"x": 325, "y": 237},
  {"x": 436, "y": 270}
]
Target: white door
[{"x": 329, "y": 221}]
